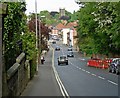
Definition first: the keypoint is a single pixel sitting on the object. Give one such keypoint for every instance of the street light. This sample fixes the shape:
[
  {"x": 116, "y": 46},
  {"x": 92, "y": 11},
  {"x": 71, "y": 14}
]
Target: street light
[
  {"x": 40, "y": 35},
  {"x": 36, "y": 35}
]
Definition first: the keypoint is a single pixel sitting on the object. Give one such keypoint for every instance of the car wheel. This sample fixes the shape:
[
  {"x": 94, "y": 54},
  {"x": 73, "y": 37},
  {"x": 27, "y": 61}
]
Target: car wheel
[
  {"x": 113, "y": 70},
  {"x": 117, "y": 71},
  {"x": 110, "y": 69},
  {"x": 58, "y": 63},
  {"x": 66, "y": 63}
]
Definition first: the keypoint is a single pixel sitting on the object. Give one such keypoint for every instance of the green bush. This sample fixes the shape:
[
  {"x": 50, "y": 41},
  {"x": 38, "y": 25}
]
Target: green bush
[
  {"x": 29, "y": 47},
  {"x": 29, "y": 44}
]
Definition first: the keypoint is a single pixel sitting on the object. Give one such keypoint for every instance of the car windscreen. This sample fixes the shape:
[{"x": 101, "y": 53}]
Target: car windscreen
[{"x": 62, "y": 57}]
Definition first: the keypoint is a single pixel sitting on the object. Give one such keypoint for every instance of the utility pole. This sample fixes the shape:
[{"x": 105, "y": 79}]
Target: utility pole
[
  {"x": 36, "y": 35},
  {"x": 39, "y": 39}
]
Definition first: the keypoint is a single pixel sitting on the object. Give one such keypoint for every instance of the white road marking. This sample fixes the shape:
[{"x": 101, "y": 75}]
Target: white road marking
[
  {"x": 87, "y": 71},
  {"x": 62, "y": 88},
  {"x": 82, "y": 59},
  {"x": 83, "y": 70},
  {"x": 101, "y": 77},
  {"x": 93, "y": 74},
  {"x": 61, "y": 84},
  {"x": 112, "y": 82}
]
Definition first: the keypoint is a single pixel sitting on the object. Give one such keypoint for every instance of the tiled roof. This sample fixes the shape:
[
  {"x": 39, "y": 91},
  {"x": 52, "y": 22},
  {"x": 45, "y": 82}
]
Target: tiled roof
[
  {"x": 60, "y": 26},
  {"x": 69, "y": 25}
]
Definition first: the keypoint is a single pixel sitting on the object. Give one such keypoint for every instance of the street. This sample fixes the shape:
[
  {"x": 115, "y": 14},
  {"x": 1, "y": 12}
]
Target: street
[{"x": 81, "y": 80}]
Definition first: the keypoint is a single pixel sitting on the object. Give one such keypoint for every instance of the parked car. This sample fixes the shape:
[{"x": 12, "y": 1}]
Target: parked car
[
  {"x": 114, "y": 66},
  {"x": 57, "y": 48},
  {"x": 69, "y": 49},
  {"x": 70, "y": 54},
  {"x": 62, "y": 59}
]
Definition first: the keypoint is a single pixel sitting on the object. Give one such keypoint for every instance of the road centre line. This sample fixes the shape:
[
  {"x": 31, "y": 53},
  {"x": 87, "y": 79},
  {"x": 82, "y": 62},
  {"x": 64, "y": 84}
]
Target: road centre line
[
  {"x": 94, "y": 74},
  {"x": 101, "y": 77},
  {"x": 87, "y": 71},
  {"x": 83, "y": 70},
  {"x": 91, "y": 73},
  {"x": 112, "y": 82}
]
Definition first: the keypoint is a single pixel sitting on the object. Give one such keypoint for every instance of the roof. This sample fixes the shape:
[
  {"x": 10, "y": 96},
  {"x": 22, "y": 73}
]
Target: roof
[
  {"x": 69, "y": 25},
  {"x": 60, "y": 26}
]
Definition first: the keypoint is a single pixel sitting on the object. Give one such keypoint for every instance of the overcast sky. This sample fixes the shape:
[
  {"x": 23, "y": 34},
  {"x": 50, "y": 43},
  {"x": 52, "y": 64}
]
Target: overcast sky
[{"x": 51, "y": 5}]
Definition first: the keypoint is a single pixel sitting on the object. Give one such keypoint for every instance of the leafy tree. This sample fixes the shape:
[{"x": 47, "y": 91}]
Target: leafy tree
[
  {"x": 44, "y": 32},
  {"x": 14, "y": 25},
  {"x": 99, "y": 23},
  {"x": 86, "y": 27},
  {"x": 108, "y": 20}
]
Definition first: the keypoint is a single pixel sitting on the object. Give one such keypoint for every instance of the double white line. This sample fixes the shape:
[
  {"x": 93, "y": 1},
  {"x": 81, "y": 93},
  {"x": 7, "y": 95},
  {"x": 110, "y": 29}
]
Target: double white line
[{"x": 62, "y": 88}]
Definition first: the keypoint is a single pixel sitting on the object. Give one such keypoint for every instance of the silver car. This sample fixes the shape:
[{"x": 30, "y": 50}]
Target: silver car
[
  {"x": 114, "y": 66},
  {"x": 70, "y": 54},
  {"x": 62, "y": 60}
]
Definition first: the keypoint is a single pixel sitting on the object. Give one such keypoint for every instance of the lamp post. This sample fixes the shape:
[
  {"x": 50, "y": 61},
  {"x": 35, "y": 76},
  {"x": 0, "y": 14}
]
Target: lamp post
[
  {"x": 40, "y": 37},
  {"x": 36, "y": 35},
  {"x": 39, "y": 41},
  {"x": 3, "y": 13}
]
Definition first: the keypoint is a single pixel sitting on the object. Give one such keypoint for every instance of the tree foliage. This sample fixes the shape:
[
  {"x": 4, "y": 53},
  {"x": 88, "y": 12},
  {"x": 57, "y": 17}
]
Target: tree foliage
[
  {"x": 99, "y": 24},
  {"x": 43, "y": 33},
  {"x": 14, "y": 25},
  {"x": 29, "y": 44}
]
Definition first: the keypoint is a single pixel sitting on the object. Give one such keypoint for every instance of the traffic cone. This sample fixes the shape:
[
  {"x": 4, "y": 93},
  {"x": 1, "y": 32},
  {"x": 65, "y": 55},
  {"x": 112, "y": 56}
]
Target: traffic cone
[{"x": 103, "y": 66}]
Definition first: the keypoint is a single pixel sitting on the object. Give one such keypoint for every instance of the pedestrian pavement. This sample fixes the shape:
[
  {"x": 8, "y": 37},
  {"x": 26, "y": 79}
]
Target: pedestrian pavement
[{"x": 44, "y": 83}]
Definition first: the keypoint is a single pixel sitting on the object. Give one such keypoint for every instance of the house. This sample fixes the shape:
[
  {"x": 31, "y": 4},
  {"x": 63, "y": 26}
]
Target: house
[{"x": 67, "y": 32}]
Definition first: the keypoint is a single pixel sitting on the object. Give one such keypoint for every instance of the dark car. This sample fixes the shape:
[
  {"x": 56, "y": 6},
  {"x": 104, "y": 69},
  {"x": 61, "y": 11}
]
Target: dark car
[
  {"x": 62, "y": 60},
  {"x": 69, "y": 49},
  {"x": 57, "y": 48},
  {"x": 54, "y": 42},
  {"x": 114, "y": 66},
  {"x": 70, "y": 54}
]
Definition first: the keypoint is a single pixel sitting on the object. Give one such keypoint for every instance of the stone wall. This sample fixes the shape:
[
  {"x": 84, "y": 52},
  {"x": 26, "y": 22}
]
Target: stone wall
[{"x": 17, "y": 76}]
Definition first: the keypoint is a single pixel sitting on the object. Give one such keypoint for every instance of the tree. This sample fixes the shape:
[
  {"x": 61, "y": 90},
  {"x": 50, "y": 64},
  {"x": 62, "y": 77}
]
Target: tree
[
  {"x": 14, "y": 25},
  {"x": 44, "y": 32},
  {"x": 99, "y": 23},
  {"x": 86, "y": 27}
]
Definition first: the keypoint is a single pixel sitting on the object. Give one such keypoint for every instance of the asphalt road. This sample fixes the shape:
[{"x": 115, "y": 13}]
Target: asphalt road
[{"x": 81, "y": 80}]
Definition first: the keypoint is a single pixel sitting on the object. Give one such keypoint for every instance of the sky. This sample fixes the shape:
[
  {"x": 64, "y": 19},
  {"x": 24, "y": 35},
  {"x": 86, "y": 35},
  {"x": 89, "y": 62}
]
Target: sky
[{"x": 51, "y": 5}]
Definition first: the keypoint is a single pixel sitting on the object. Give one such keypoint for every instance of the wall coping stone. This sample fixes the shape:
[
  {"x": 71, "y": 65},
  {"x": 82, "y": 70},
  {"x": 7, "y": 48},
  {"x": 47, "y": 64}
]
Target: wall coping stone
[
  {"x": 12, "y": 70},
  {"x": 20, "y": 57}
]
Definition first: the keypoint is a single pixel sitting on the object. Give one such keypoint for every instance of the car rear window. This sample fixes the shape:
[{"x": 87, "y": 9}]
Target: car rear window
[
  {"x": 69, "y": 49},
  {"x": 62, "y": 57}
]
